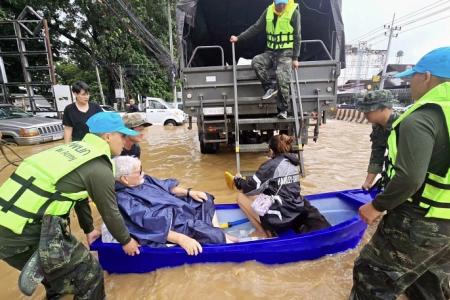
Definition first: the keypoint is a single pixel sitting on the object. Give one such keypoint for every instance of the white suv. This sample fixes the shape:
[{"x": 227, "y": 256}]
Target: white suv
[{"x": 159, "y": 112}]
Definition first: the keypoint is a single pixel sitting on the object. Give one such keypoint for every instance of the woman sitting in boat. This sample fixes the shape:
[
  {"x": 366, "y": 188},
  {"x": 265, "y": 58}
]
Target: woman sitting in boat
[
  {"x": 271, "y": 197},
  {"x": 160, "y": 211}
]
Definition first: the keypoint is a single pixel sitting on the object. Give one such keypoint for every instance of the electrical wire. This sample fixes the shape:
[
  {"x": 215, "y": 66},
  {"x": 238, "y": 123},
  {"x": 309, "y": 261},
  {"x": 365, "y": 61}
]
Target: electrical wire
[
  {"x": 406, "y": 19},
  {"x": 368, "y": 34},
  {"x": 422, "y": 25},
  {"x": 378, "y": 41},
  {"x": 3, "y": 145},
  {"x": 424, "y": 17},
  {"x": 376, "y": 37},
  {"x": 422, "y": 10}
]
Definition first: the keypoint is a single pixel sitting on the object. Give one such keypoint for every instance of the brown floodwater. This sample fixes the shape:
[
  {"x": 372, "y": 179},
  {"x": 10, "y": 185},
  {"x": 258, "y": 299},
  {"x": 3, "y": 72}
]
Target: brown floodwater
[{"x": 337, "y": 161}]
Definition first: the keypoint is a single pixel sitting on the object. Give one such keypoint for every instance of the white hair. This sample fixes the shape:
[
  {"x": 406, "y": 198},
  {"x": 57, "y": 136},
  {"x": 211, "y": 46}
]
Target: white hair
[{"x": 125, "y": 165}]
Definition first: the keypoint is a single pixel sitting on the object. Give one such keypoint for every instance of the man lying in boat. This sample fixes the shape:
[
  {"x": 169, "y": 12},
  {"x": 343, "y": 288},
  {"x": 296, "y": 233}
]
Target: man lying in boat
[
  {"x": 271, "y": 198},
  {"x": 159, "y": 211}
]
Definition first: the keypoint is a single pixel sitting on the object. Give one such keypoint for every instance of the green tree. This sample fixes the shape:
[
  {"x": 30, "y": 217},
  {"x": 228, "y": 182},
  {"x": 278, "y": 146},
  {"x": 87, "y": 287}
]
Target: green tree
[{"x": 87, "y": 32}]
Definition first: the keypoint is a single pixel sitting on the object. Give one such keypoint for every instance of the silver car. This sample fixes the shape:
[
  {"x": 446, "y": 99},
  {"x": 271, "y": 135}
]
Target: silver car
[{"x": 22, "y": 128}]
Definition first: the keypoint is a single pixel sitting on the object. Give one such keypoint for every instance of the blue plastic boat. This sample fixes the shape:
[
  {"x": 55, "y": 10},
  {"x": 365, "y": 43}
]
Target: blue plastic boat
[{"x": 340, "y": 209}]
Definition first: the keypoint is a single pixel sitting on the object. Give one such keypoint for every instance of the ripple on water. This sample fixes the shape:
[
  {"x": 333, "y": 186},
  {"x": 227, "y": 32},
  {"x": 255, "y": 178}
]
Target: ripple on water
[{"x": 337, "y": 161}]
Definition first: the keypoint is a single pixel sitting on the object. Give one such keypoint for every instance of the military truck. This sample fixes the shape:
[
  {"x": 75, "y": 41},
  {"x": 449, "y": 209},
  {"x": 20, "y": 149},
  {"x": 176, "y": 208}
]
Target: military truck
[{"x": 225, "y": 98}]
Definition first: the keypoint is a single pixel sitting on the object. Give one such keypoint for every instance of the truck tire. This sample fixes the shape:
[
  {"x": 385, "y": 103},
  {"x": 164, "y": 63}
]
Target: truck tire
[
  {"x": 207, "y": 148},
  {"x": 170, "y": 122}
]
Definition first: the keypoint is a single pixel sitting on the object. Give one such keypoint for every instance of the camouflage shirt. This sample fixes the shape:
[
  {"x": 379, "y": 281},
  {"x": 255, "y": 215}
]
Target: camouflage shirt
[{"x": 379, "y": 137}]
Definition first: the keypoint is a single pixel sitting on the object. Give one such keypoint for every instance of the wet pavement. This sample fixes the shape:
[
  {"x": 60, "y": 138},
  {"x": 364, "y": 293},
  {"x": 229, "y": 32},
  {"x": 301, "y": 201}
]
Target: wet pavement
[{"x": 337, "y": 161}]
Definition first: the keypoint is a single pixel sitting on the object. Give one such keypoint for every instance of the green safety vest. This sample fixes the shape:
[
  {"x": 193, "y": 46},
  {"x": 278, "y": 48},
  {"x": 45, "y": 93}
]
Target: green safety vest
[
  {"x": 435, "y": 191},
  {"x": 30, "y": 192},
  {"x": 280, "y": 36}
]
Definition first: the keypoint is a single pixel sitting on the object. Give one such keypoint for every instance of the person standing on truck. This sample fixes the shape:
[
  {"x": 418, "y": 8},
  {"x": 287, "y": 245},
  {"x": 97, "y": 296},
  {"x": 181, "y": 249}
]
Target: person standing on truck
[
  {"x": 377, "y": 109},
  {"x": 410, "y": 251},
  {"x": 77, "y": 113},
  {"x": 281, "y": 22}
]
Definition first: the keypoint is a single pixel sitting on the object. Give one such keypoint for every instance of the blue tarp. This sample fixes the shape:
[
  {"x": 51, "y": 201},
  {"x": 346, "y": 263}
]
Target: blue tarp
[{"x": 151, "y": 210}]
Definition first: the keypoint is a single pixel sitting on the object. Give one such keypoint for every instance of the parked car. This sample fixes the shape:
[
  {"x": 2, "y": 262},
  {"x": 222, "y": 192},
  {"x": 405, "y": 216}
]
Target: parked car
[
  {"x": 159, "y": 112},
  {"x": 22, "y": 128}
]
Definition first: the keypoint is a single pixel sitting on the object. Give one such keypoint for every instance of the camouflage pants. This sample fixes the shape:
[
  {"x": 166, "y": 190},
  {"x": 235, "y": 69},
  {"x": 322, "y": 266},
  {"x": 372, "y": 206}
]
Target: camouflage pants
[
  {"x": 408, "y": 254},
  {"x": 81, "y": 276},
  {"x": 282, "y": 61}
]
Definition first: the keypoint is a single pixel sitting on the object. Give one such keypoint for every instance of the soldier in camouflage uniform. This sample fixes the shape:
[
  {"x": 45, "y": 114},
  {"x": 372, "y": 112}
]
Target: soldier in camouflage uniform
[
  {"x": 34, "y": 213},
  {"x": 410, "y": 251},
  {"x": 377, "y": 108},
  {"x": 281, "y": 22}
]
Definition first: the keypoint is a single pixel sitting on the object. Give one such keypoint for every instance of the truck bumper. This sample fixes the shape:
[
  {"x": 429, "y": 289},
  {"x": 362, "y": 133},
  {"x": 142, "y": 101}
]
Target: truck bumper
[{"x": 24, "y": 141}]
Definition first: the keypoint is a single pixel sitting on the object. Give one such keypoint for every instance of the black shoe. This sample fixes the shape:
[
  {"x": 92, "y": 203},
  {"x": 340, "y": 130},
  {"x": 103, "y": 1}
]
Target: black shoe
[
  {"x": 269, "y": 94},
  {"x": 282, "y": 115}
]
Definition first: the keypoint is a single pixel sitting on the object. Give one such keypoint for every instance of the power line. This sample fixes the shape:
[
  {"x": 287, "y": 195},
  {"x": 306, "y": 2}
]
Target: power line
[
  {"x": 380, "y": 28},
  {"x": 422, "y": 25},
  {"x": 405, "y": 19},
  {"x": 377, "y": 36},
  {"x": 378, "y": 41},
  {"x": 425, "y": 17},
  {"x": 423, "y": 9},
  {"x": 410, "y": 29},
  {"x": 392, "y": 33}
]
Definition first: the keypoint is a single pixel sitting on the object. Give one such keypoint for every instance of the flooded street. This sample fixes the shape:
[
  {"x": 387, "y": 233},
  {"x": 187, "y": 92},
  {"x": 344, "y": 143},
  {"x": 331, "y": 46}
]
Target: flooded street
[{"x": 338, "y": 161}]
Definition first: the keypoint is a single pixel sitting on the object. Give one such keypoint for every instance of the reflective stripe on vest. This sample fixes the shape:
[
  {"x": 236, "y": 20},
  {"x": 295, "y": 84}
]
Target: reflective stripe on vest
[
  {"x": 30, "y": 192},
  {"x": 435, "y": 191},
  {"x": 280, "y": 36}
]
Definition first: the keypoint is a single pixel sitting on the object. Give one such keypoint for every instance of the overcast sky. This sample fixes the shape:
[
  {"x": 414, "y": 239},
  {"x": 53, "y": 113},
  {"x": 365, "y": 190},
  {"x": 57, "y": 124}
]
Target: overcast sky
[{"x": 362, "y": 16}]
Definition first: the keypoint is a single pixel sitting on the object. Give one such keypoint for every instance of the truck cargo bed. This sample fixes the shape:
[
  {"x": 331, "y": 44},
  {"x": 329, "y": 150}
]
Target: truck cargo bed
[{"x": 213, "y": 86}]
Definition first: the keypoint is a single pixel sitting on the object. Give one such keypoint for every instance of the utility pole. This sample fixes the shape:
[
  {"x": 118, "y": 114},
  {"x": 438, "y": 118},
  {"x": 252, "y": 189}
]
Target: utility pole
[
  {"x": 392, "y": 34},
  {"x": 169, "y": 18},
  {"x": 399, "y": 56},
  {"x": 122, "y": 100},
  {"x": 99, "y": 82},
  {"x": 362, "y": 50}
]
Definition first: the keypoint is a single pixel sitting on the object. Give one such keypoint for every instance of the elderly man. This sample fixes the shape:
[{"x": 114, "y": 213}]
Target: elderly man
[
  {"x": 377, "y": 108},
  {"x": 137, "y": 122},
  {"x": 281, "y": 22},
  {"x": 410, "y": 251},
  {"x": 36, "y": 202},
  {"x": 160, "y": 211}
]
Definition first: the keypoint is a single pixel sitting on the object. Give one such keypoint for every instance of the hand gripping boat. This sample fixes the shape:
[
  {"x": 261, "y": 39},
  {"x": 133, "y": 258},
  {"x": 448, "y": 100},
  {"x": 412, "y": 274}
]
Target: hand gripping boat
[{"x": 340, "y": 209}]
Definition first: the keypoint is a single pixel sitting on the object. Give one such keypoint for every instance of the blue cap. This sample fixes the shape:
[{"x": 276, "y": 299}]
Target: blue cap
[
  {"x": 280, "y": 2},
  {"x": 104, "y": 122},
  {"x": 437, "y": 62}
]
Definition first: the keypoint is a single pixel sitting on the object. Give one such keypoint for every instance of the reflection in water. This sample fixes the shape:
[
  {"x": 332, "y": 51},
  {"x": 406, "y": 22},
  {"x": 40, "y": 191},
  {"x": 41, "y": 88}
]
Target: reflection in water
[{"x": 338, "y": 161}]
